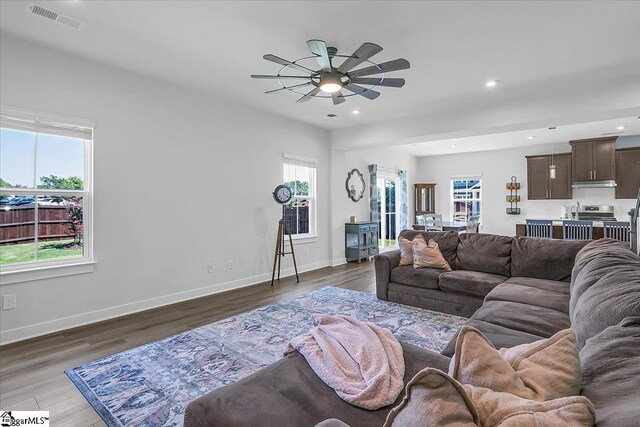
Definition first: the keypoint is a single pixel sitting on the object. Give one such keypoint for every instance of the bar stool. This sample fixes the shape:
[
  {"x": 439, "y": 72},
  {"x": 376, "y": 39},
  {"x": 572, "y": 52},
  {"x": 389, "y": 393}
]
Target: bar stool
[
  {"x": 618, "y": 230},
  {"x": 539, "y": 228},
  {"x": 577, "y": 230}
]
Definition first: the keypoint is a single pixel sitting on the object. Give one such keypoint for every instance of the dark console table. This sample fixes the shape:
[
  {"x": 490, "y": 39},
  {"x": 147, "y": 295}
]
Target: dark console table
[{"x": 360, "y": 240}]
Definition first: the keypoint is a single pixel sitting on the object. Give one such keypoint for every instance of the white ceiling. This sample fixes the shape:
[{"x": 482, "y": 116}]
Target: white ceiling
[
  {"x": 559, "y": 137},
  {"x": 453, "y": 47}
]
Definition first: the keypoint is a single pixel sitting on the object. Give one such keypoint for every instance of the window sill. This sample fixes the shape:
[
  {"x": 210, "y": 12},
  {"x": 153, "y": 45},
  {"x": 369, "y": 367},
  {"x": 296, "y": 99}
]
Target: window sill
[
  {"x": 46, "y": 272},
  {"x": 304, "y": 239}
]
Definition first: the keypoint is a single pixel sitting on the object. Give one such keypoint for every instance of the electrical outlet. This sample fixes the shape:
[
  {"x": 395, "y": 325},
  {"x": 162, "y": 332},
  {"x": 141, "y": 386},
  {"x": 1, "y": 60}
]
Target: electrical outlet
[
  {"x": 230, "y": 263},
  {"x": 211, "y": 267},
  {"x": 9, "y": 302},
  {"x": 307, "y": 252}
]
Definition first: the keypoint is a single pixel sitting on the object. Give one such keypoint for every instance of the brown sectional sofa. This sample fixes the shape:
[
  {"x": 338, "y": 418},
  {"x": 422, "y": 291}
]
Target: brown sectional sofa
[
  {"x": 480, "y": 263},
  {"x": 600, "y": 300}
]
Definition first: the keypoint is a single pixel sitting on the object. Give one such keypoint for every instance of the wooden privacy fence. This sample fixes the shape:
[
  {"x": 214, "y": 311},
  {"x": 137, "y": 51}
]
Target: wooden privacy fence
[
  {"x": 17, "y": 224},
  {"x": 298, "y": 219}
]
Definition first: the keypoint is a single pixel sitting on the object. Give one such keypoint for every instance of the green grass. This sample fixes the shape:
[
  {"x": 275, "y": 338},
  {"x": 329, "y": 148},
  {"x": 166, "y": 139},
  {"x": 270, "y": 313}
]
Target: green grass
[
  {"x": 24, "y": 252},
  {"x": 388, "y": 242}
]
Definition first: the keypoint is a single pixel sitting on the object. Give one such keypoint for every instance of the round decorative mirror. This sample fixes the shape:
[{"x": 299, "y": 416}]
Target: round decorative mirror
[{"x": 355, "y": 185}]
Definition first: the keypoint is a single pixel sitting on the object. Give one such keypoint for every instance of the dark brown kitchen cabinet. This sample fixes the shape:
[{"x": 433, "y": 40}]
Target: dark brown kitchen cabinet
[
  {"x": 593, "y": 159},
  {"x": 627, "y": 172},
  {"x": 539, "y": 184}
]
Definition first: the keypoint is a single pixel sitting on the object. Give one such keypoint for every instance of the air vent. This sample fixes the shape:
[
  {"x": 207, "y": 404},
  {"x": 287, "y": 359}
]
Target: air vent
[
  {"x": 333, "y": 116},
  {"x": 54, "y": 16}
]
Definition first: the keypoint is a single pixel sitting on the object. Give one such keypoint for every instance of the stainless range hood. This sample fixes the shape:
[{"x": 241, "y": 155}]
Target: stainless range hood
[{"x": 607, "y": 183}]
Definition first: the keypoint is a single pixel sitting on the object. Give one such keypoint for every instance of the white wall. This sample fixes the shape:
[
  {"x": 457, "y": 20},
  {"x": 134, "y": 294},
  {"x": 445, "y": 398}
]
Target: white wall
[
  {"x": 496, "y": 168},
  {"x": 181, "y": 179},
  {"x": 342, "y": 207}
]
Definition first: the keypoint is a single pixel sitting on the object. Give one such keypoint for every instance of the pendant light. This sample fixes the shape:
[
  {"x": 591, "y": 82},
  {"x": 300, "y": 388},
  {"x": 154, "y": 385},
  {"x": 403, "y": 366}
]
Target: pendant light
[{"x": 552, "y": 166}]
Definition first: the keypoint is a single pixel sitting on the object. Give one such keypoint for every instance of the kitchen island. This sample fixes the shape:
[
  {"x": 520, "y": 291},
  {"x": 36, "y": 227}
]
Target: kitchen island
[{"x": 598, "y": 229}]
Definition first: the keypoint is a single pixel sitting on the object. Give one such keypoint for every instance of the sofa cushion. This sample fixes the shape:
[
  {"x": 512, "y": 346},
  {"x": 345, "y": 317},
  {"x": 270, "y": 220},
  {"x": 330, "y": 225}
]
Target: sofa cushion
[
  {"x": 611, "y": 373},
  {"x": 489, "y": 253},
  {"x": 529, "y": 295},
  {"x": 547, "y": 285},
  {"x": 499, "y": 336},
  {"x": 419, "y": 277},
  {"x": 435, "y": 299},
  {"x": 531, "y": 319},
  {"x": 605, "y": 288},
  {"x": 550, "y": 259},
  {"x": 289, "y": 393},
  {"x": 469, "y": 282},
  {"x": 447, "y": 241}
]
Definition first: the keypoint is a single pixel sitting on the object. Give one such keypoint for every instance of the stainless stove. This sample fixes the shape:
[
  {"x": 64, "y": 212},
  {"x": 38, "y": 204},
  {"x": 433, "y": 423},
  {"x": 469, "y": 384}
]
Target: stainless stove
[{"x": 594, "y": 213}]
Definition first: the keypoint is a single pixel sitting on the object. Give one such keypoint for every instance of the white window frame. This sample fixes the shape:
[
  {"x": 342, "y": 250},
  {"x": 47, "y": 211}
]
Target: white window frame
[
  {"x": 383, "y": 223},
  {"x": 295, "y": 160},
  {"x": 45, "y": 123},
  {"x": 472, "y": 199}
]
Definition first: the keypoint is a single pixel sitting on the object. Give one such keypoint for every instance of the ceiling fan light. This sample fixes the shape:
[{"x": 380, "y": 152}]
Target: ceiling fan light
[
  {"x": 330, "y": 83},
  {"x": 330, "y": 87}
]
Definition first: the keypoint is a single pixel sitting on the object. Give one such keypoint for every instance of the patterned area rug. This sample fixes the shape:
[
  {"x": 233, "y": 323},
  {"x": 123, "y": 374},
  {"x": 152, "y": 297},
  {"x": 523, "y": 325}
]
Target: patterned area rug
[{"x": 152, "y": 384}]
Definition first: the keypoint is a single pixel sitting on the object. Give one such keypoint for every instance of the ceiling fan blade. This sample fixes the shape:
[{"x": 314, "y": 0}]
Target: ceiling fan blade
[
  {"x": 288, "y": 87},
  {"x": 262, "y": 76},
  {"x": 364, "y": 52},
  {"x": 281, "y": 61},
  {"x": 367, "y": 93},
  {"x": 338, "y": 98},
  {"x": 385, "y": 67},
  {"x": 379, "y": 81},
  {"x": 309, "y": 95},
  {"x": 319, "y": 48}
]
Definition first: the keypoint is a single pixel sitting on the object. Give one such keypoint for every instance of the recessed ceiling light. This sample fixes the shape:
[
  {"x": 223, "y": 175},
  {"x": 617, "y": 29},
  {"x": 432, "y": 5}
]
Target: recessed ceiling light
[
  {"x": 620, "y": 127},
  {"x": 453, "y": 145},
  {"x": 355, "y": 112},
  {"x": 530, "y": 137},
  {"x": 491, "y": 83}
]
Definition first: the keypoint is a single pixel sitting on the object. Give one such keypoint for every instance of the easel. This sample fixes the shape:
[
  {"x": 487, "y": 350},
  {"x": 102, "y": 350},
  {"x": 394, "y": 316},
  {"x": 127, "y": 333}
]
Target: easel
[{"x": 283, "y": 227}]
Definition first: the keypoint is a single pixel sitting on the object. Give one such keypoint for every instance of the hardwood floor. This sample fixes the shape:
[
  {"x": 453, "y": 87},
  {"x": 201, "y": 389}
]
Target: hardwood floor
[{"x": 32, "y": 372}]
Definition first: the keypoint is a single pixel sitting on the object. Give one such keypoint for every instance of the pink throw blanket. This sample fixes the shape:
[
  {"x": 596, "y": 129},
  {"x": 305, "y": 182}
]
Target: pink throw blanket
[{"x": 361, "y": 361}]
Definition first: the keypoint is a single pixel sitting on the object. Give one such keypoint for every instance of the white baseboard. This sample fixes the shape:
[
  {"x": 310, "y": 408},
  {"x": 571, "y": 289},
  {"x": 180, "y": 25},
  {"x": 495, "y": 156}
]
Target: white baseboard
[
  {"x": 337, "y": 262},
  {"x": 56, "y": 325}
]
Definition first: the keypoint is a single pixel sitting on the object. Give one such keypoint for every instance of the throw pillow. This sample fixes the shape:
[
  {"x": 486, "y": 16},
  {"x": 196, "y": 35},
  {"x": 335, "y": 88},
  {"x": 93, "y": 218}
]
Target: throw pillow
[
  {"x": 542, "y": 370},
  {"x": 406, "y": 251},
  {"x": 428, "y": 254},
  {"x": 433, "y": 398},
  {"x": 508, "y": 410}
]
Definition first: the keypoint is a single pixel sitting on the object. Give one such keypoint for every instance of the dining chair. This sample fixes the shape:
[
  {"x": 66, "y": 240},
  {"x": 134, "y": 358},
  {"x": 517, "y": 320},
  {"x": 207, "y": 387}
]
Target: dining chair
[
  {"x": 433, "y": 222},
  {"x": 473, "y": 224},
  {"x": 618, "y": 230},
  {"x": 460, "y": 217},
  {"x": 539, "y": 228},
  {"x": 577, "y": 230}
]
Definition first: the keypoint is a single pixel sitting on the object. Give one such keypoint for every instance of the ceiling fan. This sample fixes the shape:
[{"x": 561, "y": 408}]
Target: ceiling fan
[{"x": 329, "y": 80}]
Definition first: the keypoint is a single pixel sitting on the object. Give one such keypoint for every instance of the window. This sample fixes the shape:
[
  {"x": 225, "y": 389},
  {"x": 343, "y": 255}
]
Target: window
[
  {"x": 466, "y": 198},
  {"x": 300, "y": 175},
  {"x": 45, "y": 191}
]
